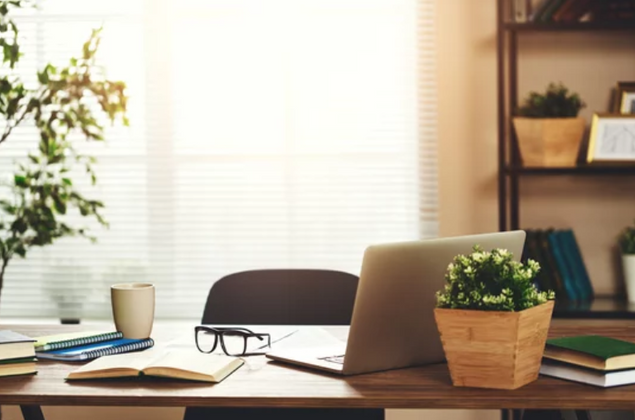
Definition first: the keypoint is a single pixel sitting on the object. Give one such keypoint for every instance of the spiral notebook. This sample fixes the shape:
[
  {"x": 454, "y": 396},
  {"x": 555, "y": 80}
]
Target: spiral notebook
[
  {"x": 92, "y": 351},
  {"x": 64, "y": 341}
]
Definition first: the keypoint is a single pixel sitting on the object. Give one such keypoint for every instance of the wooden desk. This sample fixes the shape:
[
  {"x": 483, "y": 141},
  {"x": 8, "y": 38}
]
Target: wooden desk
[{"x": 262, "y": 383}]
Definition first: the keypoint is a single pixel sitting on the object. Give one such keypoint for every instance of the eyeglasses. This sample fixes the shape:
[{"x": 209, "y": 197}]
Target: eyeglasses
[{"x": 233, "y": 341}]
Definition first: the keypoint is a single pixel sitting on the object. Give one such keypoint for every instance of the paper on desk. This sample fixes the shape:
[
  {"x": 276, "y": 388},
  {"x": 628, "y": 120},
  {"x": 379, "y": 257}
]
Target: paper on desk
[{"x": 310, "y": 338}]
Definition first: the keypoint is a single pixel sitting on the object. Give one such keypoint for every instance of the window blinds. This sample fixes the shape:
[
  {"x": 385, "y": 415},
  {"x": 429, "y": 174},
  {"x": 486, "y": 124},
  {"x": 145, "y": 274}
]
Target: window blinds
[{"x": 267, "y": 134}]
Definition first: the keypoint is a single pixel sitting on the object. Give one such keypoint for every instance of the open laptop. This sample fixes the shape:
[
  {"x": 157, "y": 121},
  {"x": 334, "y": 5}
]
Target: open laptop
[{"x": 393, "y": 322}]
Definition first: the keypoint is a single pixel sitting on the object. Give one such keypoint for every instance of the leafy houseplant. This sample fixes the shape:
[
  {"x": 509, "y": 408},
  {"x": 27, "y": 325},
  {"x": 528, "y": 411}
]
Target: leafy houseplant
[
  {"x": 548, "y": 128},
  {"x": 492, "y": 320},
  {"x": 627, "y": 247},
  {"x": 41, "y": 194}
]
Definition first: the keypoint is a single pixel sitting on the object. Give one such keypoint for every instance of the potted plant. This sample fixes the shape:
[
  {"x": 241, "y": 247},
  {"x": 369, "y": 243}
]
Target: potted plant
[
  {"x": 492, "y": 320},
  {"x": 42, "y": 196},
  {"x": 627, "y": 247},
  {"x": 548, "y": 128}
]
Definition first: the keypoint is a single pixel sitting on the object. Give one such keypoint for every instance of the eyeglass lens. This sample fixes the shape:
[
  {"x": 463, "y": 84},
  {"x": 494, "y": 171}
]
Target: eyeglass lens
[
  {"x": 206, "y": 341},
  {"x": 234, "y": 343}
]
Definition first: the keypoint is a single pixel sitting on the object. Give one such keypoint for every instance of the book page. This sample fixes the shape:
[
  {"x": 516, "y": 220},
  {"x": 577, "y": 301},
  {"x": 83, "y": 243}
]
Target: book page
[
  {"x": 192, "y": 361},
  {"x": 135, "y": 361}
]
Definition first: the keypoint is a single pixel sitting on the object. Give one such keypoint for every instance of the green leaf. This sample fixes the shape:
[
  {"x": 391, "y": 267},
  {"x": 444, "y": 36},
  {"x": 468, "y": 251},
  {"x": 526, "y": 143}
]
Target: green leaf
[
  {"x": 20, "y": 250},
  {"x": 43, "y": 77},
  {"x": 20, "y": 181},
  {"x": 67, "y": 181},
  {"x": 60, "y": 206}
]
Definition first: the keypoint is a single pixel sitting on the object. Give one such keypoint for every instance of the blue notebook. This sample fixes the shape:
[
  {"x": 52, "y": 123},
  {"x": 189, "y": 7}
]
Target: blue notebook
[{"x": 92, "y": 351}]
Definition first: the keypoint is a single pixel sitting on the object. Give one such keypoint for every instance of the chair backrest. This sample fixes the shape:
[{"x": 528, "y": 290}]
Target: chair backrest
[{"x": 282, "y": 297}]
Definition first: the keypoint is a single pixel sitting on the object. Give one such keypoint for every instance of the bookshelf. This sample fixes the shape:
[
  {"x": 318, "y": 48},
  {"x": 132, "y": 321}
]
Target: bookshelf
[{"x": 510, "y": 168}]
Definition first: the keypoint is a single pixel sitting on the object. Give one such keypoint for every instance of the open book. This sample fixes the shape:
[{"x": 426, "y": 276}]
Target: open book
[{"x": 188, "y": 365}]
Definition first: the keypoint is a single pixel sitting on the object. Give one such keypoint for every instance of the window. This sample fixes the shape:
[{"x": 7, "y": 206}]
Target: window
[{"x": 276, "y": 133}]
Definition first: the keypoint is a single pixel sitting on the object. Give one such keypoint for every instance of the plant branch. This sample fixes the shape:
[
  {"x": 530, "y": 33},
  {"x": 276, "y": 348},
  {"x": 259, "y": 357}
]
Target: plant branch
[
  {"x": 5, "y": 262},
  {"x": 9, "y": 128}
]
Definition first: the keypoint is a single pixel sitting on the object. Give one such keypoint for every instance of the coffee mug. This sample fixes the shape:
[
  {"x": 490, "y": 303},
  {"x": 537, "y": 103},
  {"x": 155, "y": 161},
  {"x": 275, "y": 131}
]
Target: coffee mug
[{"x": 133, "y": 308}]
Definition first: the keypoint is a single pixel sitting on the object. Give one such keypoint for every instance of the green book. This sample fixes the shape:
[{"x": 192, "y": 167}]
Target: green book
[
  {"x": 592, "y": 351},
  {"x": 20, "y": 360},
  {"x": 21, "y": 366}
]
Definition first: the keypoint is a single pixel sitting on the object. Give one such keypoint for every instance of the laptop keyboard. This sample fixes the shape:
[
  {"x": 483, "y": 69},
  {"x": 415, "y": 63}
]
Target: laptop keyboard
[{"x": 333, "y": 359}]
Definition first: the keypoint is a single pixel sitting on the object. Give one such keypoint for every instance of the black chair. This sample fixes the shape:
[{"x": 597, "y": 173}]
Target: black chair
[{"x": 282, "y": 297}]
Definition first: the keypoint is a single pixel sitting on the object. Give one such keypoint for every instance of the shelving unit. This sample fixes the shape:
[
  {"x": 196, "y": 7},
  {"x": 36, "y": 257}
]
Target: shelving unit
[{"x": 510, "y": 168}]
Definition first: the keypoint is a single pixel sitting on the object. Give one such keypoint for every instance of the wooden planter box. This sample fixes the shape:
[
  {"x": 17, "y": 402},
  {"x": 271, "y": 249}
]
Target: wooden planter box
[
  {"x": 549, "y": 141},
  {"x": 491, "y": 349}
]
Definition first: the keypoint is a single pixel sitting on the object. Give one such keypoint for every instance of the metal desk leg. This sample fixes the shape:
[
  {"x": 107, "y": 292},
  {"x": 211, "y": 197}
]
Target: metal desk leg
[
  {"x": 32, "y": 412},
  {"x": 542, "y": 415},
  {"x": 583, "y": 414}
]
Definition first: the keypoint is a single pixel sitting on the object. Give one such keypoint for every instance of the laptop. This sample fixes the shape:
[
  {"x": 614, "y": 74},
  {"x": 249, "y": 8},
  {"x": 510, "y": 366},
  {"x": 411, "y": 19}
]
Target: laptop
[{"x": 393, "y": 322}]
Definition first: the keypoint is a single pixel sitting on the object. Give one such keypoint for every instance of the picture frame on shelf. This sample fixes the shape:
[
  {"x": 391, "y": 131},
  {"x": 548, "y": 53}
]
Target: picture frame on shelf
[
  {"x": 612, "y": 139},
  {"x": 625, "y": 98}
]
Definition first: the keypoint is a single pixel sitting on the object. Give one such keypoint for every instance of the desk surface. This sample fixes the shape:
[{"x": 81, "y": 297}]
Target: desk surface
[{"x": 262, "y": 383}]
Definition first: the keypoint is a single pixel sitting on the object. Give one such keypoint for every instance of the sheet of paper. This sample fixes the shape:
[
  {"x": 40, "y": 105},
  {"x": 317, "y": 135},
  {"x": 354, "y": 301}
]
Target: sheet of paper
[
  {"x": 310, "y": 338},
  {"x": 135, "y": 360}
]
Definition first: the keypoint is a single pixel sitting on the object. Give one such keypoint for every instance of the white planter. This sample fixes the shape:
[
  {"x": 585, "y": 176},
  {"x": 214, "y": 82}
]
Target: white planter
[{"x": 628, "y": 264}]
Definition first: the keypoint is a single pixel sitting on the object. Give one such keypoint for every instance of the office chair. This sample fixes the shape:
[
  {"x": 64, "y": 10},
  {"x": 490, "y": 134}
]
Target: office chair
[{"x": 282, "y": 297}]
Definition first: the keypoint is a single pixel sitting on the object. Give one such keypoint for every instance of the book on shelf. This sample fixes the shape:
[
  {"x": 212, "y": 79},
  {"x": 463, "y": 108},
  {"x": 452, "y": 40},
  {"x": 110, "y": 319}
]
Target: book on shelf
[
  {"x": 585, "y": 375},
  {"x": 561, "y": 14},
  {"x": 95, "y": 350},
  {"x": 562, "y": 264},
  {"x": 570, "y": 11},
  {"x": 15, "y": 346},
  {"x": 521, "y": 10},
  {"x": 63, "y": 341},
  {"x": 538, "y": 10},
  {"x": 592, "y": 351},
  {"x": 185, "y": 365}
]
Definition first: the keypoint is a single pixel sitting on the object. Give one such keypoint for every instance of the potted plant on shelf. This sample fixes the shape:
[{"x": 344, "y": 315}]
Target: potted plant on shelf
[
  {"x": 492, "y": 320},
  {"x": 548, "y": 128},
  {"x": 627, "y": 247}
]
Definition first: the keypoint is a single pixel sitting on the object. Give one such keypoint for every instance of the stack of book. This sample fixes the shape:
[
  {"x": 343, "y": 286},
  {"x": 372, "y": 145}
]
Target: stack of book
[
  {"x": 86, "y": 345},
  {"x": 590, "y": 359},
  {"x": 17, "y": 356},
  {"x": 562, "y": 265},
  {"x": 570, "y": 11}
]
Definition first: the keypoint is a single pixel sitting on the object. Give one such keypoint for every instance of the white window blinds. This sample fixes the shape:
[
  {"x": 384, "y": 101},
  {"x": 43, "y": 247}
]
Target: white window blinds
[{"x": 273, "y": 133}]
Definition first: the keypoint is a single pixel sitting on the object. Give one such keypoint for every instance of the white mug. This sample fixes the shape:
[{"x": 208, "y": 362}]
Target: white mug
[{"x": 133, "y": 308}]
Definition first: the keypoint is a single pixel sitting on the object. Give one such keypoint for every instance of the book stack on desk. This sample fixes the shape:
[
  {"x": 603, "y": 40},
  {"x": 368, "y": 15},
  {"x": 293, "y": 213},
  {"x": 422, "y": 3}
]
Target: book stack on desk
[
  {"x": 86, "y": 346},
  {"x": 17, "y": 356},
  {"x": 590, "y": 359}
]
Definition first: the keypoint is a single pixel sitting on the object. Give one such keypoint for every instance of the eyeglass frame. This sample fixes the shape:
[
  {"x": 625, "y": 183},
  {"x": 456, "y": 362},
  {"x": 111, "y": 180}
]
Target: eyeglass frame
[{"x": 218, "y": 337}]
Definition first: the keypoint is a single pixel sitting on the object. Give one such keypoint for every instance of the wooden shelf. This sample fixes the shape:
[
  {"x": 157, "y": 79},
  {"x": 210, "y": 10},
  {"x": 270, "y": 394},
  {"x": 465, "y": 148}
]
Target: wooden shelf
[
  {"x": 599, "y": 308},
  {"x": 569, "y": 27},
  {"x": 573, "y": 170}
]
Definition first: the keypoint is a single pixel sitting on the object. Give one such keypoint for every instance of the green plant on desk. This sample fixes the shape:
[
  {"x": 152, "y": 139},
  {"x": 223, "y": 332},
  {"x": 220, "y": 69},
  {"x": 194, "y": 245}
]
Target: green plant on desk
[
  {"x": 41, "y": 193},
  {"x": 491, "y": 308},
  {"x": 491, "y": 281}
]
